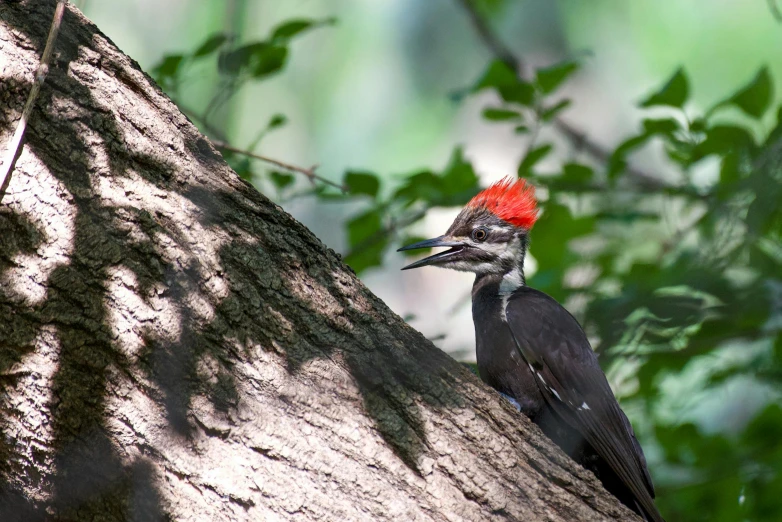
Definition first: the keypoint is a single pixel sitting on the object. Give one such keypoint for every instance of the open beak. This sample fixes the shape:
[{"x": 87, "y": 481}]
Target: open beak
[{"x": 442, "y": 241}]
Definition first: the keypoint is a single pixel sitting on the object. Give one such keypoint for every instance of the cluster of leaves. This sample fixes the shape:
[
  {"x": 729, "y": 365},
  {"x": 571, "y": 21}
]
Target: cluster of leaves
[
  {"x": 239, "y": 63},
  {"x": 236, "y": 65},
  {"x": 678, "y": 271},
  {"x": 663, "y": 274},
  {"x": 714, "y": 283}
]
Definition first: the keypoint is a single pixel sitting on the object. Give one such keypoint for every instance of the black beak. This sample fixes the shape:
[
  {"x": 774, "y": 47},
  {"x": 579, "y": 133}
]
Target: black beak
[{"x": 442, "y": 241}]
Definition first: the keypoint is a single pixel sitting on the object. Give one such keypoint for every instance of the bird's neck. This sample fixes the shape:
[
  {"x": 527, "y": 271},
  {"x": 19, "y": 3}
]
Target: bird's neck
[
  {"x": 505, "y": 284},
  {"x": 513, "y": 280}
]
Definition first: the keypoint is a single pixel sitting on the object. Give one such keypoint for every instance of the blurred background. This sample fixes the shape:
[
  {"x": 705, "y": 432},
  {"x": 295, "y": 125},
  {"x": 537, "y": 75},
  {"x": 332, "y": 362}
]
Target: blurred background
[{"x": 651, "y": 130}]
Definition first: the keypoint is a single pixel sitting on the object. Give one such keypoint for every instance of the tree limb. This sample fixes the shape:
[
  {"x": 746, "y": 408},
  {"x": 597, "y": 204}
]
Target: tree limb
[{"x": 577, "y": 138}]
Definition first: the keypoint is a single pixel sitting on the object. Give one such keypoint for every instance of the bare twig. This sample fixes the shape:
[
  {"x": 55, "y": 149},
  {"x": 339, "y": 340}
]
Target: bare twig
[
  {"x": 310, "y": 172},
  {"x": 219, "y": 141},
  {"x": 576, "y": 137},
  {"x": 580, "y": 140},
  {"x": 13, "y": 148}
]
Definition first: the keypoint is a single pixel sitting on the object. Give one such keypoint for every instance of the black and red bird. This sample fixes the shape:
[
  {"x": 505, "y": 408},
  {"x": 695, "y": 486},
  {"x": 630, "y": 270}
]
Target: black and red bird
[{"x": 531, "y": 349}]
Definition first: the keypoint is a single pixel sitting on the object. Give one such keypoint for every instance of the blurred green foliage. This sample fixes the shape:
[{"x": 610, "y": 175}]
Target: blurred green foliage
[{"x": 674, "y": 274}]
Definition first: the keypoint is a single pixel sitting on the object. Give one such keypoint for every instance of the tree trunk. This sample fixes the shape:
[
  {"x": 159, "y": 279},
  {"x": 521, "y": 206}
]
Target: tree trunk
[{"x": 174, "y": 346}]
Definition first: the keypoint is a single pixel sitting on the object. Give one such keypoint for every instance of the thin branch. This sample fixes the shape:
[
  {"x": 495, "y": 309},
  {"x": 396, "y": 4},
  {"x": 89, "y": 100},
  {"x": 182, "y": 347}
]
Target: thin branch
[
  {"x": 310, "y": 172},
  {"x": 13, "y": 148},
  {"x": 495, "y": 45},
  {"x": 775, "y": 12},
  {"x": 221, "y": 143},
  {"x": 577, "y": 137}
]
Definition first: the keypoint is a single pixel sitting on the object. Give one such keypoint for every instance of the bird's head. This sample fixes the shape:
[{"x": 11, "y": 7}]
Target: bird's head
[{"x": 490, "y": 235}]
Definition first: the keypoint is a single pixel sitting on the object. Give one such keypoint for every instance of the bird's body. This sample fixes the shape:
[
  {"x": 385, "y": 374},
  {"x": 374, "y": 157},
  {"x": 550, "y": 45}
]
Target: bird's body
[
  {"x": 500, "y": 364},
  {"x": 531, "y": 349},
  {"x": 531, "y": 317}
]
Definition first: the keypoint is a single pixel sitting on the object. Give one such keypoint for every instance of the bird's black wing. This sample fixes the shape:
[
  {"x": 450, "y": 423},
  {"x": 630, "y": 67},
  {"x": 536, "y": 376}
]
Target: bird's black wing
[{"x": 570, "y": 378}]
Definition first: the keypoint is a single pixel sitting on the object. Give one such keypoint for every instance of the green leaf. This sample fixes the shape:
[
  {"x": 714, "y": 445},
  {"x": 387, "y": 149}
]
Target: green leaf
[
  {"x": 577, "y": 173},
  {"x": 661, "y": 126},
  {"x": 506, "y": 82},
  {"x": 776, "y": 133},
  {"x": 551, "y": 112},
  {"x": 755, "y": 98},
  {"x": 278, "y": 120},
  {"x": 454, "y": 187},
  {"x": 698, "y": 125},
  {"x": 368, "y": 256},
  {"x": 259, "y": 59},
  {"x": 281, "y": 180},
  {"x": 269, "y": 60},
  {"x": 168, "y": 68},
  {"x": 533, "y": 157},
  {"x": 722, "y": 139},
  {"x": 673, "y": 94},
  {"x": 459, "y": 182},
  {"x": 367, "y": 242},
  {"x": 522, "y": 93},
  {"x": 364, "y": 226},
  {"x": 494, "y": 114},
  {"x": 498, "y": 74},
  {"x": 617, "y": 161},
  {"x": 240, "y": 164},
  {"x": 765, "y": 430},
  {"x": 521, "y": 129},
  {"x": 730, "y": 171},
  {"x": 285, "y": 31},
  {"x": 290, "y": 29},
  {"x": 234, "y": 61},
  {"x": 575, "y": 178},
  {"x": 211, "y": 44},
  {"x": 549, "y": 78},
  {"x": 765, "y": 211},
  {"x": 421, "y": 186},
  {"x": 362, "y": 183}
]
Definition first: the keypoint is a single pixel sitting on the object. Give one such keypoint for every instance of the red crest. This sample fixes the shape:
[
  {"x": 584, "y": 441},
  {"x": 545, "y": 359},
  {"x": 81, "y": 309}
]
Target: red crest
[{"x": 511, "y": 200}]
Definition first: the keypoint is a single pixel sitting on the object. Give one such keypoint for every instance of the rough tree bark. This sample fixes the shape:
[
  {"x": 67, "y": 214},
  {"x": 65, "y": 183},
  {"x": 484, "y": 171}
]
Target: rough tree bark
[{"x": 174, "y": 346}]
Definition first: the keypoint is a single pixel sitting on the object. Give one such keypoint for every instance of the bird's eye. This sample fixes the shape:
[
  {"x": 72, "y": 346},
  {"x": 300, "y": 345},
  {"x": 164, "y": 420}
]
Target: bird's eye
[{"x": 479, "y": 234}]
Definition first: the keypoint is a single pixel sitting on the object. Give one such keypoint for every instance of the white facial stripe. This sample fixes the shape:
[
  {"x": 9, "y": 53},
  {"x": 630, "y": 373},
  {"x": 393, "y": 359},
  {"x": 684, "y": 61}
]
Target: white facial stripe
[
  {"x": 468, "y": 266},
  {"x": 505, "y": 255}
]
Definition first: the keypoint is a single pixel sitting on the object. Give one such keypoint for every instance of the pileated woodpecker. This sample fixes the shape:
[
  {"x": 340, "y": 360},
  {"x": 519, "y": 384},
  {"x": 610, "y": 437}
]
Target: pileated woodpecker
[{"x": 531, "y": 349}]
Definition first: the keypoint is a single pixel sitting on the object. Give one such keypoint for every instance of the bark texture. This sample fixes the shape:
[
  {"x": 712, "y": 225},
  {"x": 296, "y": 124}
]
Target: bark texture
[{"x": 174, "y": 346}]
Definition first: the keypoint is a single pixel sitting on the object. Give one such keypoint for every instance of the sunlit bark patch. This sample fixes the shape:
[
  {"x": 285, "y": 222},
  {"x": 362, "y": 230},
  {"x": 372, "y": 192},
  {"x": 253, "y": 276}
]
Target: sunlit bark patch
[
  {"x": 132, "y": 318},
  {"x": 32, "y": 198}
]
